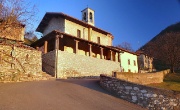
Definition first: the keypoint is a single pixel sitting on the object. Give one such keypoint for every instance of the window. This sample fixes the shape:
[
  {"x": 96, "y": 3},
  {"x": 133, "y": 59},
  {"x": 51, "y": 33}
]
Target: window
[
  {"x": 78, "y": 33},
  {"x": 84, "y": 16},
  {"x": 91, "y": 17},
  {"x": 129, "y": 62},
  {"x": 98, "y": 40},
  {"x": 134, "y": 63}
]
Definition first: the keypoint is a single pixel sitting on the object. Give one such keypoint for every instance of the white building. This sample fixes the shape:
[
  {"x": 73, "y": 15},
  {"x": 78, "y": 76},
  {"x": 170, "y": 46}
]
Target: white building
[
  {"x": 128, "y": 61},
  {"x": 145, "y": 62},
  {"x": 74, "y": 48}
]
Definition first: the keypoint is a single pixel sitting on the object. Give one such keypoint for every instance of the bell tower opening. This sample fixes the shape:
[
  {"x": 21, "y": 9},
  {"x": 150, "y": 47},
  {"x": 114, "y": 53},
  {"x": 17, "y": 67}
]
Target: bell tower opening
[{"x": 88, "y": 16}]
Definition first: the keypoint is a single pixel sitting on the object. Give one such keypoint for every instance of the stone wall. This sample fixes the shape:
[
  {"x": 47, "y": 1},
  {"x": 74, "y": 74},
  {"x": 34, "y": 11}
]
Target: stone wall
[
  {"x": 48, "y": 62},
  {"x": 13, "y": 32},
  {"x": 28, "y": 60},
  {"x": 73, "y": 65},
  {"x": 142, "y": 78},
  {"x": 148, "y": 97}
]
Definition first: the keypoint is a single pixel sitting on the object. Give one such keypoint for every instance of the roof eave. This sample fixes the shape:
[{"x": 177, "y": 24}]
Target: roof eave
[{"x": 42, "y": 24}]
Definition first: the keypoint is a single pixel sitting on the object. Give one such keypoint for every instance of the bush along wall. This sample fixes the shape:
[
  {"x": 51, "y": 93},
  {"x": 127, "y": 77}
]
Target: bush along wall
[{"x": 147, "y": 97}]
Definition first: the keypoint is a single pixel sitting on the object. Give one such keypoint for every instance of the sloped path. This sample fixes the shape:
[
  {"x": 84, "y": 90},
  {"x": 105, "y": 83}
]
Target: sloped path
[{"x": 71, "y": 94}]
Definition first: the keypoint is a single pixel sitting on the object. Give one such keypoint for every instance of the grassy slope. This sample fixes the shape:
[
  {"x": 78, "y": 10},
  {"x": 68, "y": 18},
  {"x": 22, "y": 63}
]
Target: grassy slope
[{"x": 171, "y": 82}]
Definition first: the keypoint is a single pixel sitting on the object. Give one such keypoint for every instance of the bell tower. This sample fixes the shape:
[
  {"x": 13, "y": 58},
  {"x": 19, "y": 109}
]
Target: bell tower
[{"x": 88, "y": 16}]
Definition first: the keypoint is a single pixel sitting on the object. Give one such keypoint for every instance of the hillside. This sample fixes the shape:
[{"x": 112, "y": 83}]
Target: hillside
[
  {"x": 165, "y": 48},
  {"x": 171, "y": 28}
]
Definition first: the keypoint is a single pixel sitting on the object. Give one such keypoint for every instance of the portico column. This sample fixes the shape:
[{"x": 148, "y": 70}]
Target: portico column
[
  {"x": 111, "y": 58},
  {"x": 118, "y": 57},
  {"x": 90, "y": 50},
  {"x": 101, "y": 52},
  {"x": 115, "y": 57},
  {"x": 76, "y": 47},
  {"x": 57, "y": 42},
  {"x": 45, "y": 46}
]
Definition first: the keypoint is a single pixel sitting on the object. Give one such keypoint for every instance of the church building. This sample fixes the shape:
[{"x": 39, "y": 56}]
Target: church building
[{"x": 77, "y": 48}]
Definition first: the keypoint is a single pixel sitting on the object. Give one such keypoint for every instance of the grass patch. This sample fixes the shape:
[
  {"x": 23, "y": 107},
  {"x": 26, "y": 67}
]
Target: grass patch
[
  {"x": 171, "y": 82},
  {"x": 167, "y": 85},
  {"x": 172, "y": 77}
]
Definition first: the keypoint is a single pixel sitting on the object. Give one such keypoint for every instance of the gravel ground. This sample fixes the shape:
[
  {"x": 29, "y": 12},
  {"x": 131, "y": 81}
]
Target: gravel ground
[{"x": 82, "y": 94}]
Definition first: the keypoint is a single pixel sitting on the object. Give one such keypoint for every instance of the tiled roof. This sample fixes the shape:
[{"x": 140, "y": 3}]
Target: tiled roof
[
  {"x": 47, "y": 17},
  {"x": 87, "y": 8},
  {"x": 124, "y": 50}
]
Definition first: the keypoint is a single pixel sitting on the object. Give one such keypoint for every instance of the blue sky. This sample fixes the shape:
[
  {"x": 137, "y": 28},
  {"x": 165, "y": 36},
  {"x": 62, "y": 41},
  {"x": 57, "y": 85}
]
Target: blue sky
[{"x": 133, "y": 21}]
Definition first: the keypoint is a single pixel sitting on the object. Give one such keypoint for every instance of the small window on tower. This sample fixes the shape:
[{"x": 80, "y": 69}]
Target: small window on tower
[
  {"x": 98, "y": 40},
  {"x": 84, "y": 16},
  {"x": 91, "y": 17},
  {"x": 79, "y": 33}
]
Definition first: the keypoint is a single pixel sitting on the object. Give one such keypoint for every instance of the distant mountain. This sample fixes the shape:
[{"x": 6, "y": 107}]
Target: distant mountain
[
  {"x": 171, "y": 28},
  {"x": 161, "y": 47}
]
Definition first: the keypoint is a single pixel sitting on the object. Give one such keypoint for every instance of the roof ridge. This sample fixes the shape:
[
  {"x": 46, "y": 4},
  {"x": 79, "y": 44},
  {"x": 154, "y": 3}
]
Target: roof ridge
[{"x": 66, "y": 15}]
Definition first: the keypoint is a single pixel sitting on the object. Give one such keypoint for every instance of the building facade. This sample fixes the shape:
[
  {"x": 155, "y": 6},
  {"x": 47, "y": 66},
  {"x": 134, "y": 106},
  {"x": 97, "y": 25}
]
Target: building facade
[
  {"x": 129, "y": 62},
  {"x": 74, "y": 48},
  {"x": 145, "y": 62}
]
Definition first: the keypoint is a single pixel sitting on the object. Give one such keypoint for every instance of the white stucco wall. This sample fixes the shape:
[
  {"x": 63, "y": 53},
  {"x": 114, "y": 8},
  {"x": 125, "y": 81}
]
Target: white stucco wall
[
  {"x": 88, "y": 20},
  {"x": 103, "y": 38},
  {"x": 71, "y": 28},
  {"x": 124, "y": 62},
  {"x": 54, "y": 24}
]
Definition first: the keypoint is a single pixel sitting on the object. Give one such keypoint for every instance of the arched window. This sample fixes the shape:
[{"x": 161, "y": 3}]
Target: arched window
[
  {"x": 91, "y": 17},
  {"x": 84, "y": 16}
]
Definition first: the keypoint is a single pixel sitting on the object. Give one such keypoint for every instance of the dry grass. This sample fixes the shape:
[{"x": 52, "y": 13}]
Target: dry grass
[
  {"x": 172, "y": 77},
  {"x": 171, "y": 82}
]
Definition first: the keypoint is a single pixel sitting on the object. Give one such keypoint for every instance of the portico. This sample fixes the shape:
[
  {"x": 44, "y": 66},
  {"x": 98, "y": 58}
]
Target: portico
[{"x": 72, "y": 44}]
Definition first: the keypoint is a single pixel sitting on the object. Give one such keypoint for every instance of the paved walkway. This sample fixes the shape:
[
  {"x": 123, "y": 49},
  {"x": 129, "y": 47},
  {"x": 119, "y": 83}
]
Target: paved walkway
[{"x": 60, "y": 95}]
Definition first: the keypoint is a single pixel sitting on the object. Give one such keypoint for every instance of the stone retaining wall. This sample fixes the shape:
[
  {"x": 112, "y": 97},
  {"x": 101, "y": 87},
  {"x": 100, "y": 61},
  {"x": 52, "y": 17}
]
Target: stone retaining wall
[
  {"x": 73, "y": 65},
  {"x": 24, "y": 65},
  {"x": 27, "y": 61},
  {"x": 148, "y": 97},
  {"x": 142, "y": 78}
]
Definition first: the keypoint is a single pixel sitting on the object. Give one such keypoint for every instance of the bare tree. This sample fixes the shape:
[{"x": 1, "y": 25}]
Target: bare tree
[
  {"x": 14, "y": 15},
  {"x": 167, "y": 49},
  {"x": 125, "y": 45},
  {"x": 31, "y": 36}
]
